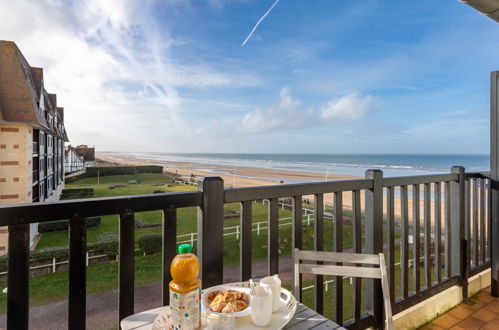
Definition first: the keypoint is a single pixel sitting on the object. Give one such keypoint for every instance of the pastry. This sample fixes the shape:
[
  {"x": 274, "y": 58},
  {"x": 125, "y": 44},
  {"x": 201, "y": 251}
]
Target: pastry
[{"x": 230, "y": 301}]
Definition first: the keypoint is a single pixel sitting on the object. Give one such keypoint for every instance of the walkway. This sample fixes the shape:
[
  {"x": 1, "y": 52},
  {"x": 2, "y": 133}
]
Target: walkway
[{"x": 482, "y": 313}]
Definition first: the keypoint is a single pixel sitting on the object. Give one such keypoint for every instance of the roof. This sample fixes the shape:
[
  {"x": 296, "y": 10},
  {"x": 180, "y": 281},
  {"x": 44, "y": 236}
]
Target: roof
[
  {"x": 87, "y": 153},
  {"x": 18, "y": 98},
  {"x": 22, "y": 94},
  {"x": 71, "y": 149},
  {"x": 488, "y": 8},
  {"x": 60, "y": 110}
]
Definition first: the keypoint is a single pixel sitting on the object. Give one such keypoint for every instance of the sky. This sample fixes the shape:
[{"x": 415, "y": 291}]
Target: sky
[{"x": 316, "y": 76}]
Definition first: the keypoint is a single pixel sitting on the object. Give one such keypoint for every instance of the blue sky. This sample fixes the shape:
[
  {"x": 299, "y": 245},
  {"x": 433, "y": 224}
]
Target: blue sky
[{"x": 339, "y": 76}]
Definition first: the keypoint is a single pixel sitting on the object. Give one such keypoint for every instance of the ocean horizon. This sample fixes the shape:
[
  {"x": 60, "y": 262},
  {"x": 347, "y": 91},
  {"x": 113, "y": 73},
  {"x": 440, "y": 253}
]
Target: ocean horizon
[{"x": 349, "y": 164}]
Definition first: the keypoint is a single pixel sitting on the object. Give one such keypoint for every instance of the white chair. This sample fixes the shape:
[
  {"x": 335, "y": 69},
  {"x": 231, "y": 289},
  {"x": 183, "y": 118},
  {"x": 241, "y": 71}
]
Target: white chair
[{"x": 365, "y": 271}]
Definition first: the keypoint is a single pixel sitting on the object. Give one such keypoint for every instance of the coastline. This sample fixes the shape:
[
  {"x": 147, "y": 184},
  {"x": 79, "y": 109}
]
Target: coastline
[
  {"x": 252, "y": 176},
  {"x": 241, "y": 176}
]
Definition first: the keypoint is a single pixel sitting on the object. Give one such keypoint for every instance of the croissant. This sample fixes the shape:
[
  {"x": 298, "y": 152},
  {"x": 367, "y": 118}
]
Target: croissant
[
  {"x": 230, "y": 301},
  {"x": 212, "y": 296},
  {"x": 228, "y": 308},
  {"x": 239, "y": 305},
  {"x": 218, "y": 307}
]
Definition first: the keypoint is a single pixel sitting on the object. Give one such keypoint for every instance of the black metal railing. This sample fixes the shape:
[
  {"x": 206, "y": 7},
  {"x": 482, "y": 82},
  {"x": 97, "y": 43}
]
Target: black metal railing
[{"x": 380, "y": 214}]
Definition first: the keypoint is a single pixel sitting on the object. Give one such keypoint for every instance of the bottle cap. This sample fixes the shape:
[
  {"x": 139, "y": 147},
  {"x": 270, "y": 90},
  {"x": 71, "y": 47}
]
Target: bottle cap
[{"x": 184, "y": 248}]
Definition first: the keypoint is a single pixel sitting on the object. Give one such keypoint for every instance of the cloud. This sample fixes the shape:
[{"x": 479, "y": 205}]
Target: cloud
[
  {"x": 349, "y": 107},
  {"x": 113, "y": 70},
  {"x": 286, "y": 114}
]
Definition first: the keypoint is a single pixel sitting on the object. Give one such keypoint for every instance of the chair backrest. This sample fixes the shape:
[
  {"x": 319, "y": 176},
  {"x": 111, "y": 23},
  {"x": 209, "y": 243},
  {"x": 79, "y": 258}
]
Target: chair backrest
[{"x": 361, "y": 266}]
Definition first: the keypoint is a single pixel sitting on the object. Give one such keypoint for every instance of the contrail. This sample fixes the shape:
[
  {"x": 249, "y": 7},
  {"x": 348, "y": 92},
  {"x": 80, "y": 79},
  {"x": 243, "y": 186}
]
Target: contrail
[{"x": 258, "y": 23}]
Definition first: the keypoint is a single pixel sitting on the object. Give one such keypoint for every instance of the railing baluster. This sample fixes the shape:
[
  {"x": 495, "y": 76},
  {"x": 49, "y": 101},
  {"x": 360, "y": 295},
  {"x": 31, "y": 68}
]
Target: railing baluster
[
  {"x": 319, "y": 246},
  {"x": 448, "y": 231},
  {"x": 126, "y": 264},
  {"x": 404, "y": 255},
  {"x": 245, "y": 242},
  {"x": 18, "y": 278},
  {"x": 459, "y": 255},
  {"x": 273, "y": 237},
  {"x": 475, "y": 238},
  {"x": 390, "y": 198},
  {"x": 438, "y": 232},
  {"x": 338, "y": 247},
  {"x": 482, "y": 221},
  {"x": 77, "y": 273},
  {"x": 467, "y": 219},
  {"x": 416, "y": 257},
  {"x": 357, "y": 245},
  {"x": 297, "y": 236},
  {"x": 210, "y": 247},
  {"x": 427, "y": 235},
  {"x": 374, "y": 242},
  {"x": 169, "y": 249}
]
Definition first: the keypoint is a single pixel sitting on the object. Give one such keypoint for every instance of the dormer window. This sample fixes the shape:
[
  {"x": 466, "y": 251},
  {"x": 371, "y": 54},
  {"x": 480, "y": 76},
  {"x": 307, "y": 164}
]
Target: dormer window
[{"x": 27, "y": 76}]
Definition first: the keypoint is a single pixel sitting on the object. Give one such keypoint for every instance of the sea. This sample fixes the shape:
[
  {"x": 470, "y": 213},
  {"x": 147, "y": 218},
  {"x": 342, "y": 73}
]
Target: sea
[{"x": 349, "y": 164}]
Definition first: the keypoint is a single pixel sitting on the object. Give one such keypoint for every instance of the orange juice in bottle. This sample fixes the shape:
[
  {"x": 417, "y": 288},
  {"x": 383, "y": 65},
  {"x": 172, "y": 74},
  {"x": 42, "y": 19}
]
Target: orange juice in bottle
[{"x": 185, "y": 290}]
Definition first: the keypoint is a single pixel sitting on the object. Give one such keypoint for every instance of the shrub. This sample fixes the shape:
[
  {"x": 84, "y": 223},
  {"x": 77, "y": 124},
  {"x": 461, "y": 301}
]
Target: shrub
[
  {"x": 45, "y": 227},
  {"x": 107, "y": 237},
  {"x": 139, "y": 224},
  {"x": 150, "y": 244},
  {"x": 158, "y": 191},
  {"x": 78, "y": 191}
]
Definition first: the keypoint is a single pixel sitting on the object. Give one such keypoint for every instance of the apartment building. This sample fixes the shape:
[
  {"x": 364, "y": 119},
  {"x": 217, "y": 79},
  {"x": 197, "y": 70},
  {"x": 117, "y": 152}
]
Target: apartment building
[{"x": 32, "y": 136}]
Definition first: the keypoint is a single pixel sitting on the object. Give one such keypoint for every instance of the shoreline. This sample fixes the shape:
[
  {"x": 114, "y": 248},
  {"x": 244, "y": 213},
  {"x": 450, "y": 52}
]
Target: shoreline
[
  {"x": 241, "y": 176},
  {"x": 251, "y": 177}
]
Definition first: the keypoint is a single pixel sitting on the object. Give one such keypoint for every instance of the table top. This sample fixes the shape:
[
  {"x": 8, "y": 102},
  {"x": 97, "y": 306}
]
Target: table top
[{"x": 304, "y": 319}]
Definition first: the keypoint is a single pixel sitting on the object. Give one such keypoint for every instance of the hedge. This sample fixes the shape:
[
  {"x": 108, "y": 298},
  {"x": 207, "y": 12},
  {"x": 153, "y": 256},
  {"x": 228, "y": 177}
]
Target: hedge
[
  {"x": 78, "y": 191},
  {"x": 150, "y": 244},
  {"x": 62, "y": 252},
  {"x": 45, "y": 227},
  {"x": 123, "y": 170}
]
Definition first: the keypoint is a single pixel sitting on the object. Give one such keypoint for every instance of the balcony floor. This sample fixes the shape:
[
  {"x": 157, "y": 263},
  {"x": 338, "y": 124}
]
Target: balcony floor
[{"x": 482, "y": 313}]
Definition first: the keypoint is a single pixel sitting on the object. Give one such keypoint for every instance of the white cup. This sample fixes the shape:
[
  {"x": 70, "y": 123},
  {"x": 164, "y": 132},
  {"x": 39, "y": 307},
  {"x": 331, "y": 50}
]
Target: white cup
[
  {"x": 274, "y": 284},
  {"x": 261, "y": 306}
]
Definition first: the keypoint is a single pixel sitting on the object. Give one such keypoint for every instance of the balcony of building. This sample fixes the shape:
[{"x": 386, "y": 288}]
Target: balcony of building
[{"x": 435, "y": 231}]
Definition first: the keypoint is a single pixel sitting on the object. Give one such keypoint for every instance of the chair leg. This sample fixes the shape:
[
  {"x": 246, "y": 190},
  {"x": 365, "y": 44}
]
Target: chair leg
[{"x": 386, "y": 292}]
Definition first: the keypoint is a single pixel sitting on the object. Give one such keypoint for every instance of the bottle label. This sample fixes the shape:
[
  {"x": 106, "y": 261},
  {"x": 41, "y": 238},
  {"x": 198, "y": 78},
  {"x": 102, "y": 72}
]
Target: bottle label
[{"x": 186, "y": 310}]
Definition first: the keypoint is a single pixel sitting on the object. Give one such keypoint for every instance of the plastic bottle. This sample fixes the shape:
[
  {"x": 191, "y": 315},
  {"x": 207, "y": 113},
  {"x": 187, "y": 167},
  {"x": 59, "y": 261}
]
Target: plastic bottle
[{"x": 185, "y": 290}]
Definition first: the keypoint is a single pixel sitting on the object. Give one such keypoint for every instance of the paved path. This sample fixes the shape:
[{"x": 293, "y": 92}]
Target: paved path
[{"x": 102, "y": 307}]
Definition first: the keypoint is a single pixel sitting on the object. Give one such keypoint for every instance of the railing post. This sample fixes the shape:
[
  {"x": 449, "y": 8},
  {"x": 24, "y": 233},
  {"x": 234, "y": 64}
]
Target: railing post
[
  {"x": 374, "y": 242},
  {"x": 210, "y": 231},
  {"x": 77, "y": 273},
  {"x": 18, "y": 278},
  {"x": 458, "y": 242},
  {"x": 494, "y": 179}
]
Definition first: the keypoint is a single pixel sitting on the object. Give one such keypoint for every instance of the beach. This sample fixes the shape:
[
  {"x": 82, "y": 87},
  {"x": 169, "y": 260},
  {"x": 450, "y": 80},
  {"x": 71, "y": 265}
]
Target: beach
[{"x": 243, "y": 176}]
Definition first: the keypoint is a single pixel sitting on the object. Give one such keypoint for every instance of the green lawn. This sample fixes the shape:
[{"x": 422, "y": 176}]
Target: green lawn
[{"x": 122, "y": 179}]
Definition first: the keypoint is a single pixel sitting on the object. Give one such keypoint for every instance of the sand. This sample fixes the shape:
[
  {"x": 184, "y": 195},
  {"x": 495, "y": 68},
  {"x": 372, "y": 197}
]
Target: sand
[{"x": 252, "y": 176}]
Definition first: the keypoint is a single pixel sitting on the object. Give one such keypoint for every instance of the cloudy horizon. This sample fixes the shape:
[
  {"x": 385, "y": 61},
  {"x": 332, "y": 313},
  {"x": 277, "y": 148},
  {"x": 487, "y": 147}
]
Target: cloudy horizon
[{"x": 322, "y": 77}]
